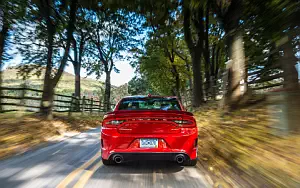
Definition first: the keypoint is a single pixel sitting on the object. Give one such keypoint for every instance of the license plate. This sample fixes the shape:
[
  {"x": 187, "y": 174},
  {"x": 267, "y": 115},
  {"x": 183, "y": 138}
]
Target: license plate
[{"x": 149, "y": 143}]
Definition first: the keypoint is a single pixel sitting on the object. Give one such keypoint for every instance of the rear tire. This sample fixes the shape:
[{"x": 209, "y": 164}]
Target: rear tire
[
  {"x": 190, "y": 162},
  {"x": 107, "y": 162}
]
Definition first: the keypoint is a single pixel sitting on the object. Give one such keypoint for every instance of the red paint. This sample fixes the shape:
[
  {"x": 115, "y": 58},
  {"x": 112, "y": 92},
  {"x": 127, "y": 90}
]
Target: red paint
[{"x": 122, "y": 129}]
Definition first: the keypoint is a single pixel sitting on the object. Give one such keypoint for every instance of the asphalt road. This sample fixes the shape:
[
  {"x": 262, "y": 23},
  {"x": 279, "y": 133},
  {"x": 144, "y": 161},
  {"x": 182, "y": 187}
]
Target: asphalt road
[{"x": 76, "y": 162}]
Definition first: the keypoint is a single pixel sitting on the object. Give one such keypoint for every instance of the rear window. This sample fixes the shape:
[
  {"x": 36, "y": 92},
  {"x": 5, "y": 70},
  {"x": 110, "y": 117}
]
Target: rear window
[{"x": 149, "y": 104}]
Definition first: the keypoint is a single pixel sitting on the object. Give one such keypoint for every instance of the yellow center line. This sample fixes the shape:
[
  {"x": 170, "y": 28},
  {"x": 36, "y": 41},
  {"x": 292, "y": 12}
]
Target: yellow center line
[
  {"x": 87, "y": 175},
  {"x": 74, "y": 173},
  {"x": 154, "y": 177}
]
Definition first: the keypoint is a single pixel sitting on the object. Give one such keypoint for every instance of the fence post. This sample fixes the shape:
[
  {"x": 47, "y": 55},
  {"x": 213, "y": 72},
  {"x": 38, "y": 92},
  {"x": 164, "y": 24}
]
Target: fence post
[
  {"x": 71, "y": 105},
  {"x": 77, "y": 104},
  {"x": 1, "y": 94},
  {"x": 83, "y": 104},
  {"x": 99, "y": 106},
  {"x": 22, "y": 95},
  {"x": 91, "y": 106}
]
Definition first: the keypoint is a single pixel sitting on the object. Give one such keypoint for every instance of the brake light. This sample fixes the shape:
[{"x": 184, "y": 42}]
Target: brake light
[
  {"x": 112, "y": 123},
  {"x": 135, "y": 144},
  {"x": 162, "y": 143},
  {"x": 185, "y": 123}
]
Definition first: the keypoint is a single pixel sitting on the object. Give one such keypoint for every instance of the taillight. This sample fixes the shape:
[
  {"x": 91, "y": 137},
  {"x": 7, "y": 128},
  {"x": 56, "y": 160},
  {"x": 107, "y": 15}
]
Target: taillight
[
  {"x": 112, "y": 123},
  {"x": 185, "y": 123},
  {"x": 162, "y": 143},
  {"x": 135, "y": 144}
]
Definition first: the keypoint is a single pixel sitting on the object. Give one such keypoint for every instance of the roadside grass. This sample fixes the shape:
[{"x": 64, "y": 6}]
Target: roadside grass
[
  {"x": 245, "y": 148},
  {"x": 21, "y": 131}
]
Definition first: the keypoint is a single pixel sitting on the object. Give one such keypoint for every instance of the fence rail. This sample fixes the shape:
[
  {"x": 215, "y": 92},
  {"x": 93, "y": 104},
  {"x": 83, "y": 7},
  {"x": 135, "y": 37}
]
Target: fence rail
[{"x": 30, "y": 99}]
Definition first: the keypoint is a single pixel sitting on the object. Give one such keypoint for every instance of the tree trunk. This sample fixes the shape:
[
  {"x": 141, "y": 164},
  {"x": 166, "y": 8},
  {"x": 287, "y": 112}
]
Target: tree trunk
[
  {"x": 107, "y": 92},
  {"x": 291, "y": 85},
  {"x": 207, "y": 80},
  {"x": 177, "y": 81},
  {"x": 237, "y": 73},
  {"x": 47, "y": 98},
  {"x": 48, "y": 88},
  {"x": 212, "y": 72},
  {"x": 195, "y": 50},
  {"x": 69, "y": 32},
  {"x": 207, "y": 55},
  {"x": 3, "y": 36},
  {"x": 178, "y": 86},
  {"x": 77, "y": 79},
  {"x": 188, "y": 68},
  {"x": 289, "y": 62},
  {"x": 216, "y": 71},
  {"x": 77, "y": 94},
  {"x": 49, "y": 82},
  {"x": 197, "y": 77},
  {"x": 76, "y": 67}
]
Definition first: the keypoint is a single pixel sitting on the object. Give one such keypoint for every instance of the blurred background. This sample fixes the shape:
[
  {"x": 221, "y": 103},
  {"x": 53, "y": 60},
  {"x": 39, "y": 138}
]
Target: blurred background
[{"x": 234, "y": 63}]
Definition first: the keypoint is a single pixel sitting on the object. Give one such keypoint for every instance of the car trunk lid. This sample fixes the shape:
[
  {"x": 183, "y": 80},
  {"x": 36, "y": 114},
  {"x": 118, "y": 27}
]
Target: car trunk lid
[{"x": 149, "y": 122}]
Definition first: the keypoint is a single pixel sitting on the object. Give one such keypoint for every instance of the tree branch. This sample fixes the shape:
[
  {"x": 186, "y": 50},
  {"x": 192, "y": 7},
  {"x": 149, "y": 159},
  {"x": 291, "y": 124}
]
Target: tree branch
[{"x": 70, "y": 30}]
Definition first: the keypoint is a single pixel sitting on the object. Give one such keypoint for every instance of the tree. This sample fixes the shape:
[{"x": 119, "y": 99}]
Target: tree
[
  {"x": 155, "y": 63},
  {"x": 281, "y": 32},
  {"x": 48, "y": 23},
  {"x": 10, "y": 12},
  {"x": 230, "y": 14},
  {"x": 113, "y": 33},
  {"x": 193, "y": 23},
  {"x": 79, "y": 44},
  {"x": 163, "y": 21},
  {"x": 3, "y": 36},
  {"x": 139, "y": 86}
]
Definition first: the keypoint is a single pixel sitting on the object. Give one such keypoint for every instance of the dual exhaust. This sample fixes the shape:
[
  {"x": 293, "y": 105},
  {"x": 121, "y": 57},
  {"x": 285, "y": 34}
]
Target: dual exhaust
[
  {"x": 180, "y": 158},
  {"x": 118, "y": 159}
]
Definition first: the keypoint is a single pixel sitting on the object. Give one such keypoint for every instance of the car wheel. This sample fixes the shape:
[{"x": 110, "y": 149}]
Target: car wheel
[
  {"x": 190, "y": 162},
  {"x": 107, "y": 162}
]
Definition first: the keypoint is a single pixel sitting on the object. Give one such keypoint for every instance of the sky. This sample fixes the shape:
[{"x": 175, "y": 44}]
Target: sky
[{"x": 117, "y": 79}]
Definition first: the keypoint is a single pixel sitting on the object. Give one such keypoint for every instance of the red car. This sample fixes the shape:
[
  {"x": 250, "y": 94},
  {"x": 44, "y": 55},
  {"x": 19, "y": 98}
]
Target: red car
[{"x": 149, "y": 128}]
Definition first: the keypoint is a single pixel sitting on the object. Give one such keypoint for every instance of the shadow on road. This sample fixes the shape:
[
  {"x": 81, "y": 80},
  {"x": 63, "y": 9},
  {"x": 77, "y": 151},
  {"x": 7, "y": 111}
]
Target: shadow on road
[{"x": 147, "y": 174}]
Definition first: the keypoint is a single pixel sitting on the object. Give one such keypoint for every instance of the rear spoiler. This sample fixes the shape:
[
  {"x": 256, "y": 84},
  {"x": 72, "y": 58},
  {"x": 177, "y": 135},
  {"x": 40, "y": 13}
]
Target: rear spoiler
[{"x": 152, "y": 111}]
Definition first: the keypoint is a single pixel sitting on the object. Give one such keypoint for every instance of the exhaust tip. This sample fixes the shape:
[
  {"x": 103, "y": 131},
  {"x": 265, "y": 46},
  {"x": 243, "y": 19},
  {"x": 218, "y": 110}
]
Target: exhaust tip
[
  {"x": 118, "y": 159},
  {"x": 180, "y": 158}
]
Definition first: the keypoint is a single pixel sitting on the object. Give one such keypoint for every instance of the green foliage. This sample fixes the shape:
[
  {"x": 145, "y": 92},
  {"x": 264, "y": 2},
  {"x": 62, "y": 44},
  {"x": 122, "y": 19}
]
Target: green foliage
[
  {"x": 272, "y": 18},
  {"x": 10, "y": 13},
  {"x": 113, "y": 33},
  {"x": 31, "y": 34},
  {"x": 155, "y": 64},
  {"x": 139, "y": 86}
]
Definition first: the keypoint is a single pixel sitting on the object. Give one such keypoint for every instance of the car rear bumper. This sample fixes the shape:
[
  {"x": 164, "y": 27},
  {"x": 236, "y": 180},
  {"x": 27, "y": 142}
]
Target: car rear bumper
[
  {"x": 166, "y": 156},
  {"x": 185, "y": 143}
]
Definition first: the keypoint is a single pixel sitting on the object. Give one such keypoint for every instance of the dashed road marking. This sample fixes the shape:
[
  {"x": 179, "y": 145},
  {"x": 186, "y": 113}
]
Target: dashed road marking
[
  {"x": 56, "y": 152},
  {"x": 87, "y": 175},
  {"x": 75, "y": 172}
]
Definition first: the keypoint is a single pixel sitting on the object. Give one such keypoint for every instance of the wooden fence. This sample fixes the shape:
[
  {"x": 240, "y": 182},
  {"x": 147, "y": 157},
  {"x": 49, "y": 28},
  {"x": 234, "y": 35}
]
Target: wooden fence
[
  {"x": 259, "y": 82},
  {"x": 27, "y": 99}
]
